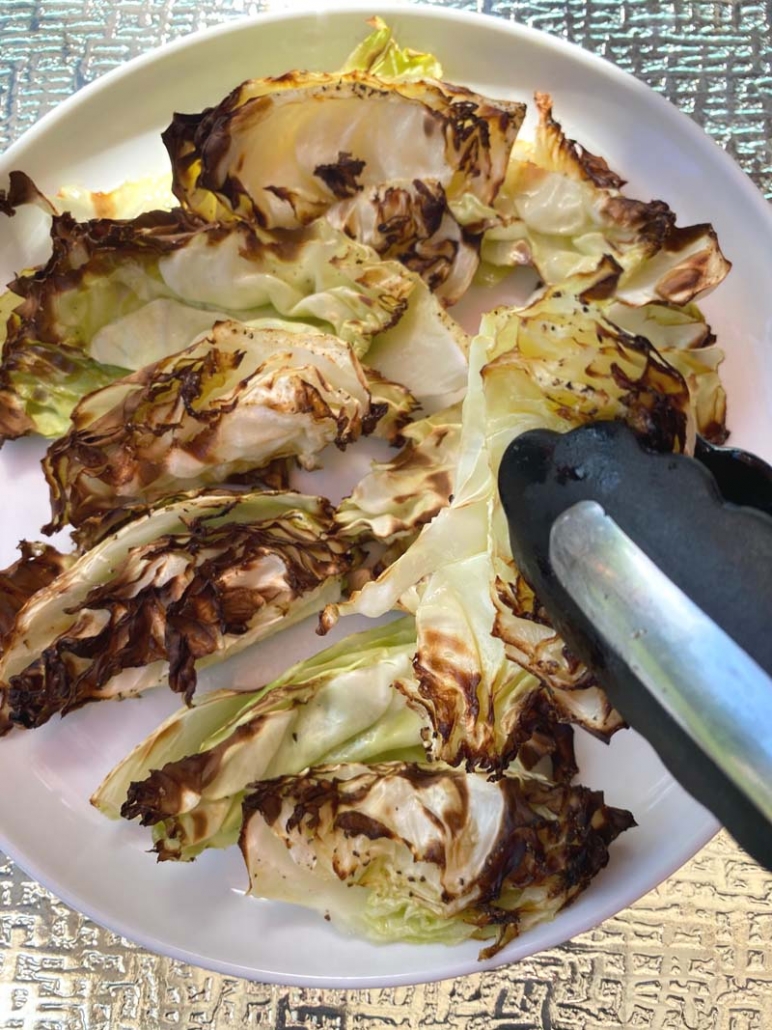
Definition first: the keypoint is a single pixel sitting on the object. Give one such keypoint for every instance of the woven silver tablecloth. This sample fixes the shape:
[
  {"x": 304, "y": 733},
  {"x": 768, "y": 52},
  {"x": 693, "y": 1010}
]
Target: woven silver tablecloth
[{"x": 696, "y": 954}]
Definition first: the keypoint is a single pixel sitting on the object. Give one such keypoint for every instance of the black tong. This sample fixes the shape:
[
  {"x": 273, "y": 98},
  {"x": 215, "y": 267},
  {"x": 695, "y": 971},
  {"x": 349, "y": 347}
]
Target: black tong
[{"x": 657, "y": 571}]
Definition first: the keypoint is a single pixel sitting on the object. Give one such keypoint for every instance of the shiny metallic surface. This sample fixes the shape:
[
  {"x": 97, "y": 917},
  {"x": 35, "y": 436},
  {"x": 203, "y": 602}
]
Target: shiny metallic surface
[
  {"x": 712, "y": 58},
  {"x": 696, "y": 954},
  {"x": 688, "y": 664}
]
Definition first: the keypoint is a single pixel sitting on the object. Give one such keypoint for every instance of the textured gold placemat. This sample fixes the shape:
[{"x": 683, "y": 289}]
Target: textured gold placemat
[{"x": 696, "y": 954}]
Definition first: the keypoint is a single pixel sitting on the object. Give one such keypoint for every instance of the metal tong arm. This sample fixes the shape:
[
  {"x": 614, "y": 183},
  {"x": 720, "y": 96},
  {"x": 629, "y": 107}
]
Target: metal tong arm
[{"x": 708, "y": 684}]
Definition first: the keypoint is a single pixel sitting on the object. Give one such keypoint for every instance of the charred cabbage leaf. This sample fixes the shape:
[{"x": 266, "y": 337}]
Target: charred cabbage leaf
[
  {"x": 562, "y": 210},
  {"x": 482, "y": 707},
  {"x": 485, "y": 709},
  {"x": 183, "y": 587},
  {"x": 117, "y": 296},
  {"x": 397, "y": 497},
  {"x": 280, "y": 152},
  {"x": 385, "y": 159},
  {"x": 531, "y": 641},
  {"x": 562, "y": 362},
  {"x": 573, "y": 356},
  {"x": 481, "y": 667},
  {"x": 188, "y": 779},
  {"x": 37, "y": 566},
  {"x": 392, "y": 406},
  {"x": 230, "y": 404},
  {"x": 425, "y": 854},
  {"x": 684, "y": 339},
  {"x": 410, "y": 221}
]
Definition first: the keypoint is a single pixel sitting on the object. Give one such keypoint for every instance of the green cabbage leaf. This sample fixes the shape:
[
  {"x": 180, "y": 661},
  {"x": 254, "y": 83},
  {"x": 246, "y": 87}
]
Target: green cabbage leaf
[
  {"x": 381, "y": 55},
  {"x": 117, "y": 296},
  {"x": 189, "y": 778}
]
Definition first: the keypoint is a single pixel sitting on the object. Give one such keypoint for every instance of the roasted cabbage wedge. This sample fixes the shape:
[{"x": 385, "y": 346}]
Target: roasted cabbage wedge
[
  {"x": 482, "y": 707},
  {"x": 385, "y": 159},
  {"x": 229, "y": 405},
  {"x": 188, "y": 779},
  {"x": 181, "y": 588},
  {"x": 563, "y": 210},
  {"x": 480, "y": 666},
  {"x": 350, "y": 703},
  {"x": 423, "y": 853},
  {"x": 116, "y": 296}
]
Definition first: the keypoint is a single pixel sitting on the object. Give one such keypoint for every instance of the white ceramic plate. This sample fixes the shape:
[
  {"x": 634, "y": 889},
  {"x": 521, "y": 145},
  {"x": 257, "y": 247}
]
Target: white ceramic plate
[{"x": 109, "y": 132}]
